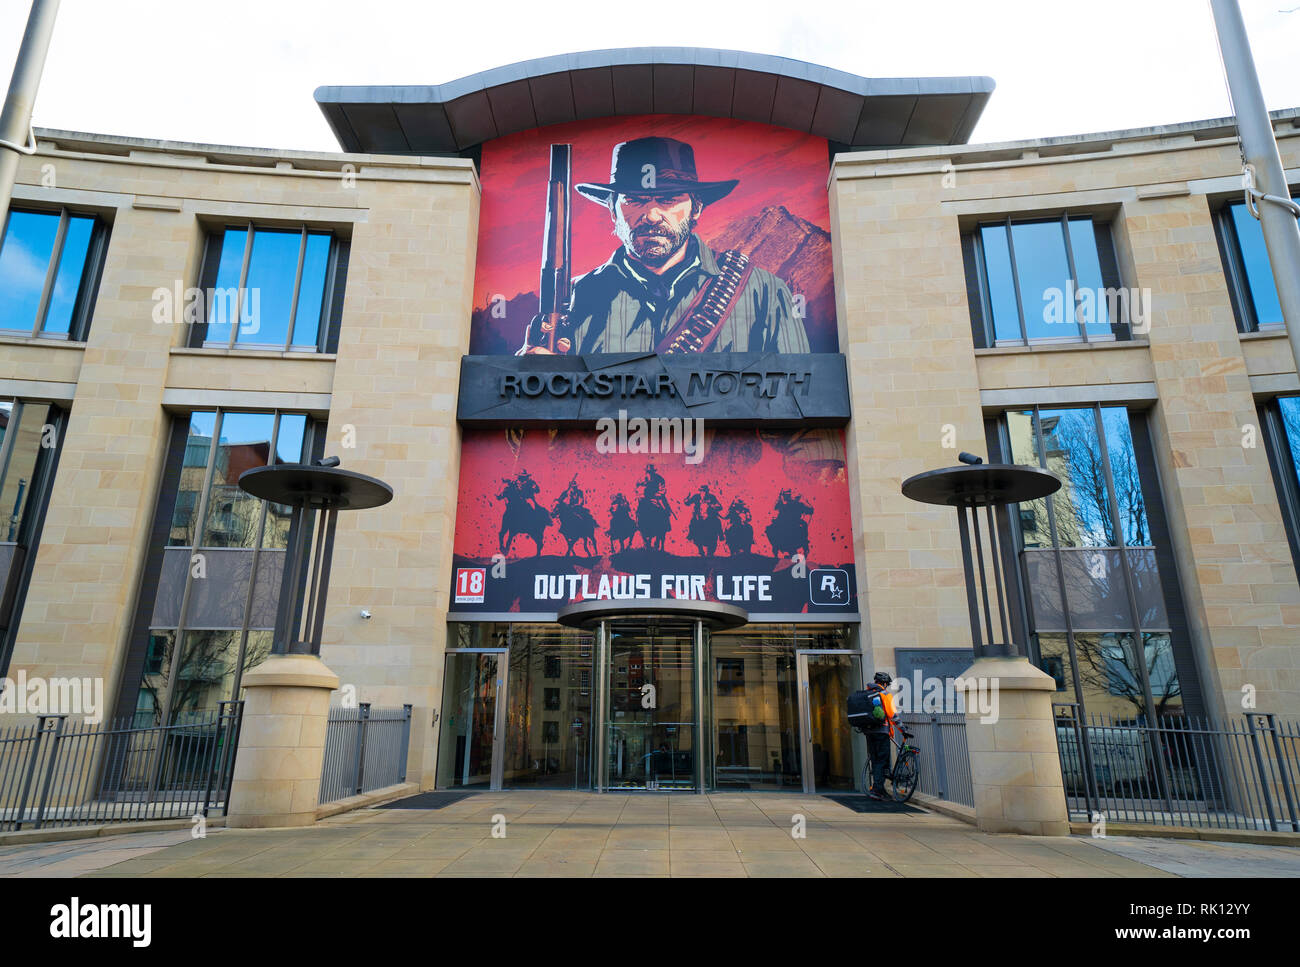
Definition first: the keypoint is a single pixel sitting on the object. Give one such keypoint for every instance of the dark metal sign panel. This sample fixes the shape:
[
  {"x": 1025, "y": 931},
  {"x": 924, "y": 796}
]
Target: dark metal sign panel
[{"x": 724, "y": 389}]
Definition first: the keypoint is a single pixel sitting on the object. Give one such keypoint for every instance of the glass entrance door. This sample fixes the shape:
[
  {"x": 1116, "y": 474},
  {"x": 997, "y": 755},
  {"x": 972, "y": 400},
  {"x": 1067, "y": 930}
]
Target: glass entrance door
[
  {"x": 650, "y": 735},
  {"x": 833, "y": 753},
  {"x": 473, "y": 708},
  {"x": 754, "y": 715},
  {"x": 548, "y": 708}
]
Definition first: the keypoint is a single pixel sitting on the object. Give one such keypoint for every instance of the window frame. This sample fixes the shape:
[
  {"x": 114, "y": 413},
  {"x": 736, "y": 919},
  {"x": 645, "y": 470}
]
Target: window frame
[
  {"x": 88, "y": 284},
  {"x": 13, "y": 592},
  {"x": 1240, "y": 293},
  {"x": 1286, "y": 475},
  {"x": 1121, "y": 329},
  {"x": 327, "y": 324},
  {"x": 313, "y": 441}
]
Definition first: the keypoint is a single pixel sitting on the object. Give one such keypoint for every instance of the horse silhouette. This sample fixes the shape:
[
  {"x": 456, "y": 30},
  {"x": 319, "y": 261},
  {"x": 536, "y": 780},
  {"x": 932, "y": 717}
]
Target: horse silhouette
[
  {"x": 521, "y": 516},
  {"x": 622, "y": 525},
  {"x": 653, "y": 520},
  {"x": 789, "y": 528},
  {"x": 577, "y": 526},
  {"x": 705, "y": 529},
  {"x": 739, "y": 533}
]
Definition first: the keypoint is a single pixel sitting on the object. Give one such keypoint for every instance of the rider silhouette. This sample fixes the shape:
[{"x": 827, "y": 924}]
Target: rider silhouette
[
  {"x": 574, "y": 496},
  {"x": 653, "y": 482},
  {"x": 527, "y": 486},
  {"x": 704, "y": 502}
]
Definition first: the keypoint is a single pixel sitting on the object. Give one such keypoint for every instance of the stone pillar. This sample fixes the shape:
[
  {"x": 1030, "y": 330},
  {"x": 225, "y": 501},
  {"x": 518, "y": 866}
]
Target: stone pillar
[
  {"x": 1015, "y": 766},
  {"x": 281, "y": 742}
]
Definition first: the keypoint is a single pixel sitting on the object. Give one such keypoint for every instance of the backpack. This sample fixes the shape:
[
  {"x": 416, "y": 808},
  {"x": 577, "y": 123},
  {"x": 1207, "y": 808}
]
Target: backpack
[{"x": 868, "y": 709}]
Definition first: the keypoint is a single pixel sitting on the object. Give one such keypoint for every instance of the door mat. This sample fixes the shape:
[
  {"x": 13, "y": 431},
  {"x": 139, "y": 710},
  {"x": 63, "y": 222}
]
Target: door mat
[
  {"x": 865, "y": 804},
  {"x": 427, "y": 800}
]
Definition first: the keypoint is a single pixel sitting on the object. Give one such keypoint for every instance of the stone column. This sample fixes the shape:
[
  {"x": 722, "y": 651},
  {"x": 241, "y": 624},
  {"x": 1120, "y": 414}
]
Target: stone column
[
  {"x": 281, "y": 743},
  {"x": 1015, "y": 766}
]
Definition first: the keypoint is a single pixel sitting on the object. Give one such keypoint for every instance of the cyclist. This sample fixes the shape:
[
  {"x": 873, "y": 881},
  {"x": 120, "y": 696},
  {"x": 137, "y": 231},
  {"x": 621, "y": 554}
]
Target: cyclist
[{"x": 878, "y": 735}]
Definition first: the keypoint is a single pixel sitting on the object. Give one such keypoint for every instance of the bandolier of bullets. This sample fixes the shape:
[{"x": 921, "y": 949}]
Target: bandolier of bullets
[{"x": 707, "y": 316}]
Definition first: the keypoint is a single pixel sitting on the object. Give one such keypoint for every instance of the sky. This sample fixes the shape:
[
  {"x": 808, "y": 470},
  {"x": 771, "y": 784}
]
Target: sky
[{"x": 242, "y": 72}]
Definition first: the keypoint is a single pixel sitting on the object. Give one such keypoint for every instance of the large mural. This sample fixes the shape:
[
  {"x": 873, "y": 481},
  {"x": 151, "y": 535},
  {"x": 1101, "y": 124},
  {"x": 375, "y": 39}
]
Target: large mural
[{"x": 654, "y": 235}]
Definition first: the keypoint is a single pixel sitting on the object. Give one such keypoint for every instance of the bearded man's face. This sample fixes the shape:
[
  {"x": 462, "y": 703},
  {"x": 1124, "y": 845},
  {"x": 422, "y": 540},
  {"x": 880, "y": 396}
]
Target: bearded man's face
[{"x": 653, "y": 228}]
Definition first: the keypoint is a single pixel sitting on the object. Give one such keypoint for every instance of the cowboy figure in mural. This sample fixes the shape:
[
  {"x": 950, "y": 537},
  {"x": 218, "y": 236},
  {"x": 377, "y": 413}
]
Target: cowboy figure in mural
[{"x": 664, "y": 290}]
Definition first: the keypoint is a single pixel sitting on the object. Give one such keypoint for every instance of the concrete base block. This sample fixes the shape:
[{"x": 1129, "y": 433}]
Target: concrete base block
[
  {"x": 282, "y": 743},
  {"x": 1015, "y": 768}
]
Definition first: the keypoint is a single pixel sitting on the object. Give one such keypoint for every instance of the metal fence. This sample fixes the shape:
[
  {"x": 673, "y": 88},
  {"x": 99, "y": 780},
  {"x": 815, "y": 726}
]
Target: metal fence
[
  {"x": 1182, "y": 771},
  {"x": 57, "y": 773},
  {"x": 944, "y": 758},
  {"x": 365, "y": 749}
]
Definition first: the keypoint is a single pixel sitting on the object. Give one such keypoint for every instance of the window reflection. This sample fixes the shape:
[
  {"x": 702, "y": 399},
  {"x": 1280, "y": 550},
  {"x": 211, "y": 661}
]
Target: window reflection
[
  {"x": 46, "y": 266},
  {"x": 1092, "y": 579},
  {"x": 1000, "y": 283},
  {"x": 272, "y": 271},
  {"x": 269, "y": 288},
  {"x": 194, "y": 465},
  {"x": 24, "y": 262},
  {"x": 25, "y": 425},
  {"x": 1262, "y": 293},
  {"x": 1044, "y": 280},
  {"x": 1042, "y": 268},
  {"x": 218, "y": 586},
  {"x": 67, "y": 282},
  {"x": 234, "y": 517},
  {"x": 1073, "y": 453},
  {"x": 311, "y": 292}
]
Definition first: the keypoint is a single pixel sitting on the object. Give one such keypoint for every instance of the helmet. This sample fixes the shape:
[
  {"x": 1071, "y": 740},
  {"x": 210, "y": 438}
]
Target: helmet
[{"x": 883, "y": 679}]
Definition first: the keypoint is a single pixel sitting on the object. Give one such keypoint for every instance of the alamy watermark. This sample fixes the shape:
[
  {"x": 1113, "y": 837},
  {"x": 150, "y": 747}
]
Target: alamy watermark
[
  {"x": 53, "y": 696},
  {"x": 651, "y": 435},
  {"x": 193, "y": 306},
  {"x": 928, "y": 693},
  {"x": 1084, "y": 306}
]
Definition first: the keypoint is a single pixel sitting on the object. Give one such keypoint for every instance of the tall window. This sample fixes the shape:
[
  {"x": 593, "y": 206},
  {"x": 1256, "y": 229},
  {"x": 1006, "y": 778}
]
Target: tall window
[
  {"x": 29, "y": 446},
  {"x": 1044, "y": 280},
  {"x": 271, "y": 288},
  {"x": 1246, "y": 265},
  {"x": 49, "y": 271},
  {"x": 1280, "y": 420},
  {"x": 213, "y": 607},
  {"x": 1089, "y": 564}
]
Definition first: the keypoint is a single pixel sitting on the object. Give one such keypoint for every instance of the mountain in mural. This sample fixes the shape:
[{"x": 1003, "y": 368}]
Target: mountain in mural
[
  {"x": 790, "y": 247},
  {"x": 796, "y": 251}
]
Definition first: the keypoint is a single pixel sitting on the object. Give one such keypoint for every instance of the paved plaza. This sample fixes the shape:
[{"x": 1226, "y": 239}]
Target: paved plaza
[{"x": 581, "y": 834}]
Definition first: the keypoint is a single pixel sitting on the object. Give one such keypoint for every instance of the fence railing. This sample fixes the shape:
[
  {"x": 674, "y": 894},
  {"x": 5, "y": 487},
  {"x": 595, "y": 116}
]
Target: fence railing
[
  {"x": 365, "y": 749},
  {"x": 58, "y": 773},
  {"x": 944, "y": 758},
  {"x": 1181, "y": 770}
]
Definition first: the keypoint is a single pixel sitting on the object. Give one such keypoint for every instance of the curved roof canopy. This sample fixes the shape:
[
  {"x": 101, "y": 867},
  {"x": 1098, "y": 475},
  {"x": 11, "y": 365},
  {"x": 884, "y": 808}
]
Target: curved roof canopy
[{"x": 844, "y": 108}]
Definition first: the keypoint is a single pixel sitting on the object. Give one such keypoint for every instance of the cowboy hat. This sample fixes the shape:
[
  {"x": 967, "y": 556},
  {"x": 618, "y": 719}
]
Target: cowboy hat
[{"x": 654, "y": 166}]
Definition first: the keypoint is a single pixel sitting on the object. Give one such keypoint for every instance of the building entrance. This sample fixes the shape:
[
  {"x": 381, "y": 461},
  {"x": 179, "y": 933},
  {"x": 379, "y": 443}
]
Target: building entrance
[{"x": 649, "y": 703}]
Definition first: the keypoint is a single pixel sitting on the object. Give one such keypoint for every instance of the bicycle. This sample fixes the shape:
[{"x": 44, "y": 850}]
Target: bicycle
[{"x": 906, "y": 772}]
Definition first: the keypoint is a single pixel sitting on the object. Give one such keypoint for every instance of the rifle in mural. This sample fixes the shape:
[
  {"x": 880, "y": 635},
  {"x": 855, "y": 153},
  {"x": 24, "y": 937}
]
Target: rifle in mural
[{"x": 549, "y": 329}]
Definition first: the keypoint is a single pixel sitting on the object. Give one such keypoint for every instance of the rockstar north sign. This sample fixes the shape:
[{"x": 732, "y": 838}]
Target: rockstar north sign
[{"x": 738, "y": 389}]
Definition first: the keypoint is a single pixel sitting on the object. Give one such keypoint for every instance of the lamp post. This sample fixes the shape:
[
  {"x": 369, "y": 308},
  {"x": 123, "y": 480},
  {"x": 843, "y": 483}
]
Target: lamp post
[
  {"x": 1010, "y": 732},
  {"x": 16, "y": 116},
  {"x": 316, "y": 492},
  {"x": 282, "y": 743},
  {"x": 1266, "y": 180},
  {"x": 970, "y": 488}
]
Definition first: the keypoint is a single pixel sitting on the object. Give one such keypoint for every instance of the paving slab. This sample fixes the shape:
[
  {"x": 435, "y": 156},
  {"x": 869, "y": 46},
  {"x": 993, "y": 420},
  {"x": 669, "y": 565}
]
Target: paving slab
[{"x": 561, "y": 834}]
